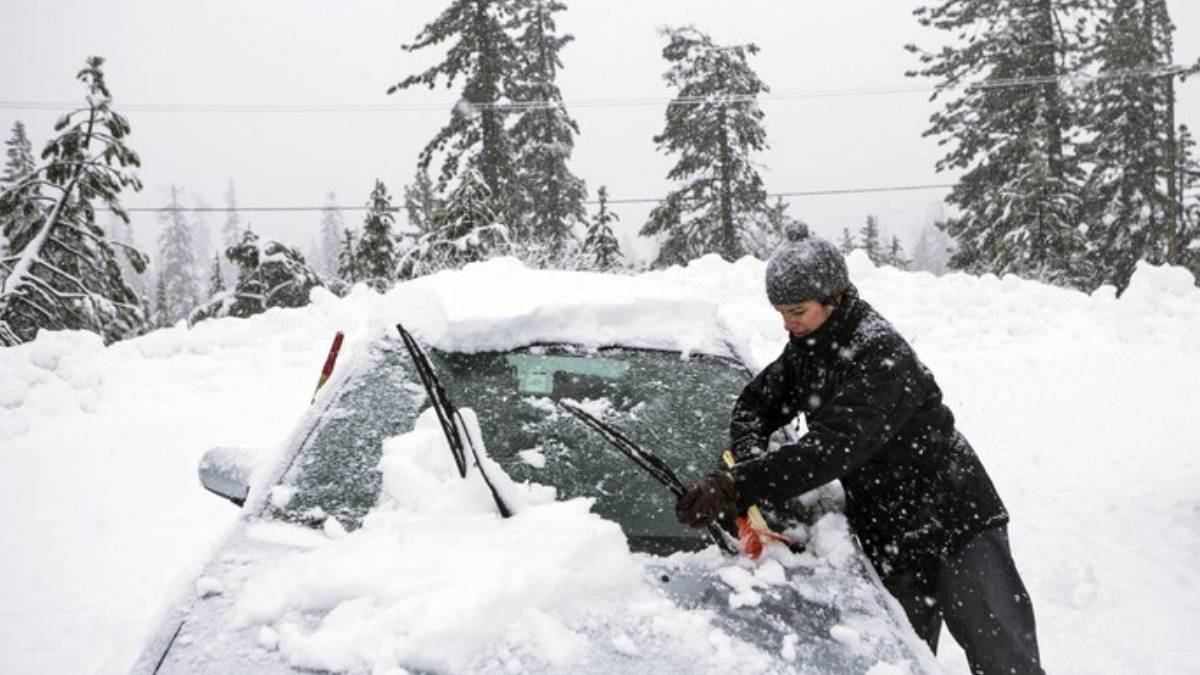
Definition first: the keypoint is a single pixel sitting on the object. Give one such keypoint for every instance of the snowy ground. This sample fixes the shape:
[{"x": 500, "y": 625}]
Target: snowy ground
[{"x": 1082, "y": 408}]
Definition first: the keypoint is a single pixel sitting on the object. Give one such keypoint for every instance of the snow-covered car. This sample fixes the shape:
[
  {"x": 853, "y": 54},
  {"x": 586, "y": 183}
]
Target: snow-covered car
[{"x": 369, "y": 546}]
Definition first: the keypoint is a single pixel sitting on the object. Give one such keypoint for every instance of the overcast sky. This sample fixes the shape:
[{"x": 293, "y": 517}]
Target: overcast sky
[{"x": 321, "y": 52}]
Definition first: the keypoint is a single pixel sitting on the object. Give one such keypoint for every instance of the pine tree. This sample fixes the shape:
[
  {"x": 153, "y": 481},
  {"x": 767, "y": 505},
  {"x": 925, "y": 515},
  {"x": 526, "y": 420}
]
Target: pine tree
[
  {"x": 544, "y": 136},
  {"x": 933, "y": 248},
  {"x": 847, "y": 244},
  {"x": 1132, "y": 201},
  {"x": 176, "y": 262},
  {"x": 216, "y": 278},
  {"x": 467, "y": 230},
  {"x": 376, "y": 254},
  {"x": 895, "y": 255},
  {"x": 1188, "y": 172},
  {"x": 713, "y": 124},
  {"x": 600, "y": 249},
  {"x": 870, "y": 237},
  {"x": 421, "y": 202},
  {"x": 20, "y": 210},
  {"x": 202, "y": 246},
  {"x": 331, "y": 237},
  {"x": 67, "y": 276},
  {"x": 1008, "y": 123},
  {"x": 162, "y": 306},
  {"x": 485, "y": 56},
  {"x": 348, "y": 259},
  {"x": 270, "y": 274}
]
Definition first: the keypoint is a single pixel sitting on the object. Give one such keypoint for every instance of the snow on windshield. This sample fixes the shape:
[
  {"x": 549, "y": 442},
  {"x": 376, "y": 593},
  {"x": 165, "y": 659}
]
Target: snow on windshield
[{"x": 435, "y": 578}]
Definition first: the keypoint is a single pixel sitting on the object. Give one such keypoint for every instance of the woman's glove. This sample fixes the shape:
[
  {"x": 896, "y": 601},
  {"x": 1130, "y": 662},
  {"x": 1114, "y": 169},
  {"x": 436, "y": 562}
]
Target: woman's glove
[{"x": 705, "y": 500}]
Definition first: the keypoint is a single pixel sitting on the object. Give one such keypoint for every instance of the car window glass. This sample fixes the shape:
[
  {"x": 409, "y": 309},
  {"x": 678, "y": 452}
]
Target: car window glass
[{"x": 678, "y": 408}]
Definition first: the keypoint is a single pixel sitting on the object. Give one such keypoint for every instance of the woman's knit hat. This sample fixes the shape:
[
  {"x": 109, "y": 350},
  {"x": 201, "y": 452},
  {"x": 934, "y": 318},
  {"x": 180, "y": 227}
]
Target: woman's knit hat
[{"x": 805, "y": 267}]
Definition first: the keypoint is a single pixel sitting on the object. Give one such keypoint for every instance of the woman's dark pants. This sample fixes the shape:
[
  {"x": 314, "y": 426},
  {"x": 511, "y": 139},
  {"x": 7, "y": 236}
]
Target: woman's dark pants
[{"x": 979, "y": 594}]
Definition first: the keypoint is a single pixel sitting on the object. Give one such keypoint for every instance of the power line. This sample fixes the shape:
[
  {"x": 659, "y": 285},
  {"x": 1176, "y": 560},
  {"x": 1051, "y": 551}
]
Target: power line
[
  {"x": 641, "y": 200},
  {"x": 517, "y": 106}
]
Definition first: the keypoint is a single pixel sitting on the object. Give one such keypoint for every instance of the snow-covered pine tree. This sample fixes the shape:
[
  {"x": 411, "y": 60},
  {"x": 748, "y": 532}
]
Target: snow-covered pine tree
[
  {"x": 932, "y": 251},
  {"x": 348, "y": 259},
  {"x": 870, "y": 237},
  {"x": 600, "y": 250},
  {"x": 552, "y": 197},
  {"x": 216, "y": 277},
  {"x": 895, "y": 255},
  {"x": 376, "y": 254},
  {"x": 1131, "y": 203},
  {"x": 20, "y": 208},
  {"x": 421, "y": 202},
  {"x": 485, "y": 56},
  {"x": 1008, "y": 122},
  {"x": 270, "y": 274},
  {"x": 162, "y": 306},
  {"x": 1188, "y": 173},
  {"x": 466, "y": 230},
  {"x": 847, "y": 244},
  {"x": 67, "y": 276},
  {"x": 713, "y": 124},
  {"x": 331, "y": 237},
  {"x": 176, "y": 261}
]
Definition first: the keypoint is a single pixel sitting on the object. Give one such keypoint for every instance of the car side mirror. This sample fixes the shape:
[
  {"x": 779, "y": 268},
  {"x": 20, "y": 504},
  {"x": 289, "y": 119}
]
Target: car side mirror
[{"x": 227, "y": 471}]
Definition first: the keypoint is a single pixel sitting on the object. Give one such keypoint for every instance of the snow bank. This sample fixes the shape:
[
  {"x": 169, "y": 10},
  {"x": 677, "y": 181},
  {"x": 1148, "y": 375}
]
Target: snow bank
[{"x": 1081, "y": 407}]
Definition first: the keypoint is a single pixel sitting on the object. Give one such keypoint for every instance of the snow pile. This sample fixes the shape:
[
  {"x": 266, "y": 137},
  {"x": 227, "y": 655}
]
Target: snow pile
[
  {"x": 1081, "y": 407},
  {"x": 435, "y": 578}
]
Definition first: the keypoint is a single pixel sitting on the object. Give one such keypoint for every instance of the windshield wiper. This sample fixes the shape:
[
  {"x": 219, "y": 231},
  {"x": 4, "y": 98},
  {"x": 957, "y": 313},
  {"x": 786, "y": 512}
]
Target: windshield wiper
[
  {"x": 648, "y": 461},
  {"x": 448, "y": 417}
]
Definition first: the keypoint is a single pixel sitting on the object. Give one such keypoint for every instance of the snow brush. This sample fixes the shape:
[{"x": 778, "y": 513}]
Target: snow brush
[
  {"x": 752, "y": 527},
  {"x": 648, "y": 461}
]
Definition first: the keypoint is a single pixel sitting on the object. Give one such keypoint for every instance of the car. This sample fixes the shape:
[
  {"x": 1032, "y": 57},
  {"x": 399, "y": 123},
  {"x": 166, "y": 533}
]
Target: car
[{"x": 651, "y": 594}]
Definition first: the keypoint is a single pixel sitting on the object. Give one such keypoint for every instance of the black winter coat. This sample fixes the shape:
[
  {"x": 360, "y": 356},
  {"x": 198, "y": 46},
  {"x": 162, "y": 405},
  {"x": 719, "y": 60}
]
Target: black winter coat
[{"x": 914, "y": 487}]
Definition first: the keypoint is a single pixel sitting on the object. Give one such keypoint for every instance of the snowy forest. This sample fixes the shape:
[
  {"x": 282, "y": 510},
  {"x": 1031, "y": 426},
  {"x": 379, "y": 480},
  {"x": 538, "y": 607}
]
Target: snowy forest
[{"x": 1056, "y": 117}]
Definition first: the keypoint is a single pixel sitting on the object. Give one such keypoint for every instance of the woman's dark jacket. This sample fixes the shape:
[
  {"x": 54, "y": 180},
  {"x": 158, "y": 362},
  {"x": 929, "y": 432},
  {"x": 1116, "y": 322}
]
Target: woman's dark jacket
[{"x": 914, "y": 487}]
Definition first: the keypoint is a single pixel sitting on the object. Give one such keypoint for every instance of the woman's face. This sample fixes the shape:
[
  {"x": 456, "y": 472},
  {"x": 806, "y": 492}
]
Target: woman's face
[{"x": 804, "y": 318}]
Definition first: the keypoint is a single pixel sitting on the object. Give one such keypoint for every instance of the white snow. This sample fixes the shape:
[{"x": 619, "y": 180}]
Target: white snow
[{"x": 1081, "y": 408}]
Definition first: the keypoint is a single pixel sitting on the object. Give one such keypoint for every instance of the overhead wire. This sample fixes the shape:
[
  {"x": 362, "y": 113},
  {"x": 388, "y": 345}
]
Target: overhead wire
[{"x": 518, "y": 106}]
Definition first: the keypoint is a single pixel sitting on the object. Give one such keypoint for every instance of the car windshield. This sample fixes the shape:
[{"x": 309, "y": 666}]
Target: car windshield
[{"x": 677, "y": 407}]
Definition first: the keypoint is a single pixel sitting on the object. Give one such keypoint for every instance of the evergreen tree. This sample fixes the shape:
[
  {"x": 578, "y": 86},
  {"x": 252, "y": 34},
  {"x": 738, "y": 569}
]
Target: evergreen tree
[
  {"x": 348, "y": 259},
  {"x": 176, "y": 262},
  {"x": 376, "y": 254},
  {"x": 216, "y": 278},
  {"x": 270, "y": 274},
  {"x": 20, "y": 210},
  {"x": 1188, "y": 172},
  {"x": 162, "y": 306},
  {"x": 67, "y": 276},
  {"x": 713, "y": 124},
  {"x": 421, "y": 202},
  {"x": 933, "y": 248},
  {"x": 485, "y": 56},
  {"x": 1007, "y": 122},
  {"x": 467, "y": 230},
  {"x": 544, "y": 136},
  {"x": 331, "y": 237},
  {"x": 895, "y": 255},
  {"x": 600, "y": 249},
  {"x": 847, "y": 244},
  {"x": 1132, "y": 202},
  {"x": 870, "y": 237}
]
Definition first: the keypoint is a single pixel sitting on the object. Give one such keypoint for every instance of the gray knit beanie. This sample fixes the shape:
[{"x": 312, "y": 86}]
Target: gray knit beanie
[{"x": 805, "y": 267}]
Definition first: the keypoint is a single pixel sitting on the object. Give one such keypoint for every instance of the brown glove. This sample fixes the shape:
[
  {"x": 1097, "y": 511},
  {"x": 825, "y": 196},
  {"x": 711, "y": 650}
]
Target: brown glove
[{"x": 705, "y": 500}]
